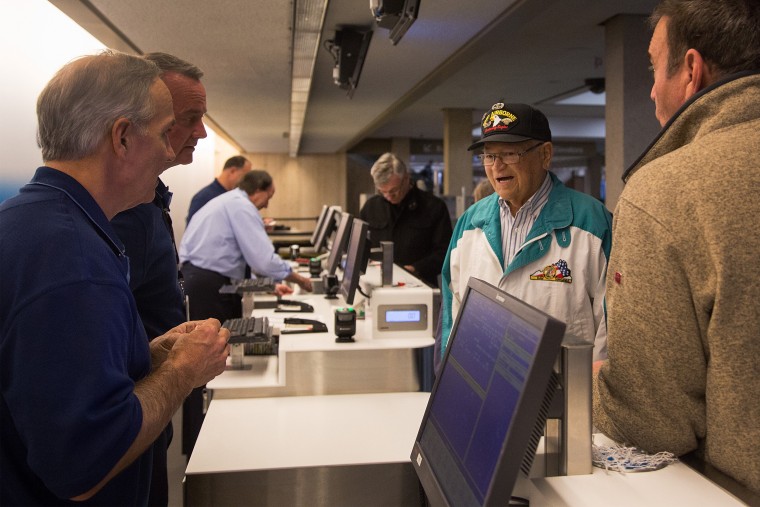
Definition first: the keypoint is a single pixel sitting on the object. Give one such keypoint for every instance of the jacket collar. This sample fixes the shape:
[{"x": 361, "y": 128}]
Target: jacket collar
[
  {"x": 557, "y": 213},
  {"x": 163, "y": 197},
  {"x": 52, "y": 178},
  {"x": 698, "y": 115},
  {"x": 410, "y": 200}
]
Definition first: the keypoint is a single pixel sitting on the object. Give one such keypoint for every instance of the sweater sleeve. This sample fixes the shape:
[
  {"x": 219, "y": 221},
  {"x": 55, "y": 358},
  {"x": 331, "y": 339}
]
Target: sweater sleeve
[{"x": 647, "y": 393}]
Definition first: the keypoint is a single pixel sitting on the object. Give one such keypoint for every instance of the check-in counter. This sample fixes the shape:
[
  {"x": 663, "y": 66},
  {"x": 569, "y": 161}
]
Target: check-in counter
[
  {"x": 355, "y": 450},
  {"x": 313, "y": 363},
  {"x": 330, "y": 424}
]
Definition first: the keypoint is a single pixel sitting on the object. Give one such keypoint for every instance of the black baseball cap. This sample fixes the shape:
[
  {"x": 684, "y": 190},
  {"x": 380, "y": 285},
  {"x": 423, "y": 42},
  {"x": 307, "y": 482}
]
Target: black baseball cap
[{"x": 512, "y": 123}]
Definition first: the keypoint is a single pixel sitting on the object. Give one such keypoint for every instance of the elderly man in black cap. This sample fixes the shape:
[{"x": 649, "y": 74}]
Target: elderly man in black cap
[{"x": 536, "y": 239}]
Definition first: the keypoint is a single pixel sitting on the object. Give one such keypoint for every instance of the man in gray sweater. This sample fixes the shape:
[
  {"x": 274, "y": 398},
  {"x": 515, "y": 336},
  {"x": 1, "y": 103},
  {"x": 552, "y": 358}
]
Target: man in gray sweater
[{"x": 683, "y": 368}]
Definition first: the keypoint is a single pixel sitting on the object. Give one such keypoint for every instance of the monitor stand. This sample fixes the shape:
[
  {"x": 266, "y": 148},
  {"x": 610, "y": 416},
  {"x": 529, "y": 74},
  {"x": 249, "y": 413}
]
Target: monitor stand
[
  {"x": 386, "y": 264},
  {"x": 567, "y": 436},
  {"x": 330, "y": 284},
  {"x": 317, "y": 286}
]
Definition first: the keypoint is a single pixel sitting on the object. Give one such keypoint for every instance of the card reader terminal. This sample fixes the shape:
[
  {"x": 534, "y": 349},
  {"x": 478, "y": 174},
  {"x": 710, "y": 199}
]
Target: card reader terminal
[{"x": 345, "y": 325}]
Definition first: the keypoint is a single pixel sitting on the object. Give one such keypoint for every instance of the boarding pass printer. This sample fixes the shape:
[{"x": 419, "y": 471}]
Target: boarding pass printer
[
  {"x": 399, "y": 310},
  {"x": 402, "y": 312}
]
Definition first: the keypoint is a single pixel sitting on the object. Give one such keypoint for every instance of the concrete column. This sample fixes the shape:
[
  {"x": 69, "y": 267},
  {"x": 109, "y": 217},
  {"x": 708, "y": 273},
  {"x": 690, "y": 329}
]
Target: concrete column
[
  {"x": 457, "y": 161},
  {"x": 629, "y": 113},
  {"x": 594, "y": 162}
]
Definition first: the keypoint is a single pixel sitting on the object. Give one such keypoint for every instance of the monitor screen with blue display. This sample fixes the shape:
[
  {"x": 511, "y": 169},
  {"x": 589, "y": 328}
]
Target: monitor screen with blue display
[{"x": 490, "y": 399}]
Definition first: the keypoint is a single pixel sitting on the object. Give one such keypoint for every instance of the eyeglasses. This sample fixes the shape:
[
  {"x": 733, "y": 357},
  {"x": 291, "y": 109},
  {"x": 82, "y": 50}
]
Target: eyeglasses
[
  {"x": 394, "y": 191},
  {"x": 506, "y": 158}
]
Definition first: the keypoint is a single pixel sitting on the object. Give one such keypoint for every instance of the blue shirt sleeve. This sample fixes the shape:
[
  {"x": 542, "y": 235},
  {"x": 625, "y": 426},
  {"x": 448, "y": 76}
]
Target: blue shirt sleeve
[
  {"x": 254, "y": 243},
  {"x": 228, "y": 233}
]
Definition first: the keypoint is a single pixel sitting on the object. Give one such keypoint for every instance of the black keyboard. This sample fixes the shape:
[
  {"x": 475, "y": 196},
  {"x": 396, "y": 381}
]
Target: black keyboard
[
  {"x": 255, "y": 333},
  {"x": 260, "y": 284},
  {"x": 246, "y": 330},
  {"x": 240, "y": 287}
]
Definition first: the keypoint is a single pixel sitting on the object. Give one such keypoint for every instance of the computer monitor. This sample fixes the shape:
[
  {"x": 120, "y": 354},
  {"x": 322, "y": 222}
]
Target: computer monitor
[
  {"x": 357, "y": 257},
  {"x": 320, "y": 223},
  {"x": 339, "y": 243},
  {"x": 489, "y": 403},
  {"x": 330, "y": 223}
]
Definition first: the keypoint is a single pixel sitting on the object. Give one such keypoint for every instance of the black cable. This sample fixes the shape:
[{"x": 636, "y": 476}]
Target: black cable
[
  {"x": 362, "y": 293},
  {"x": 332, "y": 48}
]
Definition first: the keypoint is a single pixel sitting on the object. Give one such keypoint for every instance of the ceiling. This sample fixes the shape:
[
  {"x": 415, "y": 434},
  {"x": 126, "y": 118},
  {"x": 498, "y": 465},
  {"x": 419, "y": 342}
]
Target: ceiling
[{"x": 458, "y": 54}]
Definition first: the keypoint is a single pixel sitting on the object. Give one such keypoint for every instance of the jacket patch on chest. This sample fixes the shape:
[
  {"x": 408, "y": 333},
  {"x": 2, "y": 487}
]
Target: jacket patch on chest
[{"x": 557, "y": 272}]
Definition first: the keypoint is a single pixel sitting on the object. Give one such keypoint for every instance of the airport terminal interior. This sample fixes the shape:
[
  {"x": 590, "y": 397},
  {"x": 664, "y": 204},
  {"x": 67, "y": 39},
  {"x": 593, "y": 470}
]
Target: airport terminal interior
[{"x": 341, "y": 395}]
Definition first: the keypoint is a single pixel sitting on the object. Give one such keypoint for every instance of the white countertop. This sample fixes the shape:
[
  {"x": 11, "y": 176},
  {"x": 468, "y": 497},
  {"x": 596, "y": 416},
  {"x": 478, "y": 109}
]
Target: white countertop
[
  {"x": 310, "y": 431},
  {"x": 307, "y": 431},
  {"x": 675, "y": 485}
]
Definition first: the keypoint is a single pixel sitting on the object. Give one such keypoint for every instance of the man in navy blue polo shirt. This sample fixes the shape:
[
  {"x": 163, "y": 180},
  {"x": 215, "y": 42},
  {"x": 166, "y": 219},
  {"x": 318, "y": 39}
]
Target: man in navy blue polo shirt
[
  {"x": 233, "y": 171},
  {"x": 82, "y": 393},
  {"x": 148, "y": 236}
]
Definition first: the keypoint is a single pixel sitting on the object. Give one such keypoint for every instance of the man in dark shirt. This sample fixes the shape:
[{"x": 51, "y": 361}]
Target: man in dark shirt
[
  {"x": 84, "y": 394},
  {"x": 232, "y": 172},
  {"x": 417, "y": 222},
  {"x": 147, "y": 234}
]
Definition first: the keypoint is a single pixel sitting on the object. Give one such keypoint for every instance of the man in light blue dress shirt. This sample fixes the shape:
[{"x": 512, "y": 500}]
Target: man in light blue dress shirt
[{"x": 223, "y": 237}]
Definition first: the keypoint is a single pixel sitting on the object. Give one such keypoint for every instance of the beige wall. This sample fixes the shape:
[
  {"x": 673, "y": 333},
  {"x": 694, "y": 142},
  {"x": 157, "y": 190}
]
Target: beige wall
[
  {"x": 185, "y": 180},
  {"x": 302, "y": 184}
]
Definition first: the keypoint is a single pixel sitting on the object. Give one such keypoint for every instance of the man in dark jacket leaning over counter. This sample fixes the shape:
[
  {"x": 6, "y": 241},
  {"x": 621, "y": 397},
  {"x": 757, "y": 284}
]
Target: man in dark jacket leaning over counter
[{"x": 417, "y": 222}]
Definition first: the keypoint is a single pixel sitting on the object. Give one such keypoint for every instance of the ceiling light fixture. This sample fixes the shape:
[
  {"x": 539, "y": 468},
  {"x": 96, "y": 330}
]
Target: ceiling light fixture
[
  {"x": 591, "y": 93},
  {"x": 308, "y": 19}
]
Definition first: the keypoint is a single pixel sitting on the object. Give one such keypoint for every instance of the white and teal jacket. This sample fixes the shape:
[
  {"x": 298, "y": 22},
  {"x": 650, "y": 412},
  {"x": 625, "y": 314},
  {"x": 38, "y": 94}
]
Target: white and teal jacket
[{"x": 560, "y": 269}]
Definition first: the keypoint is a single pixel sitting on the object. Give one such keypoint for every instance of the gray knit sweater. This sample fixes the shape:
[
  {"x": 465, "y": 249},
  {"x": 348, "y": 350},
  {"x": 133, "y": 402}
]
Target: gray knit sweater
[{"x": 683, "y": 289}]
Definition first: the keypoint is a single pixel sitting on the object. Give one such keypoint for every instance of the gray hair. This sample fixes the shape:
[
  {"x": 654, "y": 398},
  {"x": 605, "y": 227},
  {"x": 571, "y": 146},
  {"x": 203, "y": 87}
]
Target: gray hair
[
  {"x": 725, "y": 33},
  {"x": 83, "y": 100},
  {"x": 171, "y": 63},
  {"x": 385, "y": 167}
]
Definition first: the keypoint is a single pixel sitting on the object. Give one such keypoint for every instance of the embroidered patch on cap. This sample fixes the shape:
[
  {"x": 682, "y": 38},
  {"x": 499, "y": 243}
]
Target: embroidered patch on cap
[
  {"x": 557, "y": 272},
  {"x": 512, "y": 123},
  {"x": 498, "y": 119}
]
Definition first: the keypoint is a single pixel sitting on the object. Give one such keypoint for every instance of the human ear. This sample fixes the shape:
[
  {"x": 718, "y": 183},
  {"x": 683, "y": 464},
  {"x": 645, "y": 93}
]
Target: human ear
[
  {"x": 547, "y": 150},
  {"x": 696, "y": 73},
  {"x": 119, "y": 136}
]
